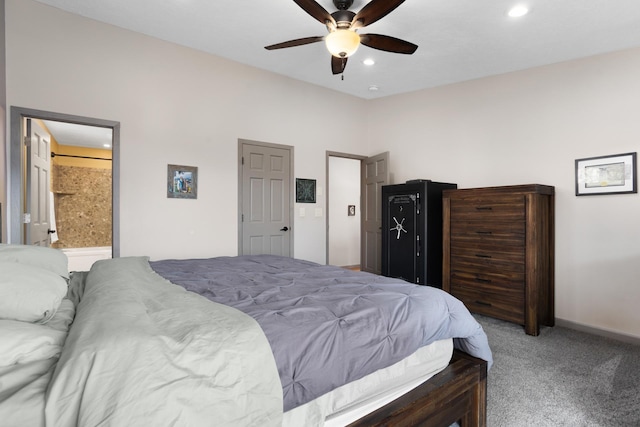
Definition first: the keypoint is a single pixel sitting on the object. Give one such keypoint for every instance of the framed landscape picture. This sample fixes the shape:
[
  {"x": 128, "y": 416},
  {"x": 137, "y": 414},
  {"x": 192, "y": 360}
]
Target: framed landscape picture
[{"x": 614, "y": 174}]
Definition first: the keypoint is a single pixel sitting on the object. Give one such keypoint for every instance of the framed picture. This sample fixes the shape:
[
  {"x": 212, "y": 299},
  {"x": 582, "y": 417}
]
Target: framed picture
[
  {"x": 182, "y": 182},
  {"x": 305, "y": 190},
  {"x": 615, "y": 174}
]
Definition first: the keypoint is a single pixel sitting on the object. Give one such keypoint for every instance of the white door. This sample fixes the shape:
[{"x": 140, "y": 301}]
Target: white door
[
  {"x": 375, "y": 174},
  {"x": 265, "y": 200},
  {"x": 38, "y": 145}
]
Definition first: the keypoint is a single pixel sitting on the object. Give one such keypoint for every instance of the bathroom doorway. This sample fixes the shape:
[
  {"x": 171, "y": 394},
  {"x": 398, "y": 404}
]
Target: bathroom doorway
[{"x": 81, "y": 212}]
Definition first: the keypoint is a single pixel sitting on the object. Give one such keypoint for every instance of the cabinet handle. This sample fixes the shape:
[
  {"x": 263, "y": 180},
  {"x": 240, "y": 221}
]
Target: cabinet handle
[
  {"x": 483, "y": 256},
  {"x": 483, "y": 232},
  {"x": 478, "y": 279},
  {"x": 484, "y": 208},
  {"x": 486, "y": 304}
]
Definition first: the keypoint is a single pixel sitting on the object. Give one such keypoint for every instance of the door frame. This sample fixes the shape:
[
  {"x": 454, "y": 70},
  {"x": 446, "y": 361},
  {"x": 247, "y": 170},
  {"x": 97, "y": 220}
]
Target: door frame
[
  {"x": 344, "y": 156},
  {"x": 17, "y": 162},
  {"x": 241, "y": 143}
]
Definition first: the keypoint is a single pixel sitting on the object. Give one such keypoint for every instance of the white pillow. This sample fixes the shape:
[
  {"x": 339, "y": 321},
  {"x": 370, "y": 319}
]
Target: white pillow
[
  {"x": 29, "y": 294},
  {"x": 38, "y": 256}
]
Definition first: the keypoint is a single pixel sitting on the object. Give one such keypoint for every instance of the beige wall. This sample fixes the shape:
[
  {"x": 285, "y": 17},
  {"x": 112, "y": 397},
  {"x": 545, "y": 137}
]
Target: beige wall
[
  {"x": 529, "y": 127},
  {"x": 175, "y": 106},
  {"x": 181, "y": 106}
]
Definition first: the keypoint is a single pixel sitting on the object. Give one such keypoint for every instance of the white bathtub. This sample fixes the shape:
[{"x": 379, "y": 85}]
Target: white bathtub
[{"x": 81, "y": 259}]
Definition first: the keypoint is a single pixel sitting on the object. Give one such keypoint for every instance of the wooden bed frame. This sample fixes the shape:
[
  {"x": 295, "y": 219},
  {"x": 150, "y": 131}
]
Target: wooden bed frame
[{"x": 457, "y": 394}]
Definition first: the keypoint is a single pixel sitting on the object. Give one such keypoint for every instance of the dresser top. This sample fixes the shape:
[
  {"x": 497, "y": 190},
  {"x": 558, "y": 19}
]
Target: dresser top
[{"x": 506, "y": 189}]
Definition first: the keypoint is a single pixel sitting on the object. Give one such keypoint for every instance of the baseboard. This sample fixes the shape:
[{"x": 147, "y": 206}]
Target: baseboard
[{"x": 598, "y": 331}]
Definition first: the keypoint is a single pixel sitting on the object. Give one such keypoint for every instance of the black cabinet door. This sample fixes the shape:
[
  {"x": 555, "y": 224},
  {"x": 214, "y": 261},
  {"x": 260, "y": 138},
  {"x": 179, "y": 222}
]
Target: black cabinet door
[{"x": 402, "y": 236}]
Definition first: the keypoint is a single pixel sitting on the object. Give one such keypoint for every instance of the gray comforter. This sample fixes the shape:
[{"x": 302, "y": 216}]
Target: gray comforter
[{"x": 328, "y": 326}]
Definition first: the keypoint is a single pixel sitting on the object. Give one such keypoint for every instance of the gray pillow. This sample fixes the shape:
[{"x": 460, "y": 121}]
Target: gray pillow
[
  {"x": 29, "y": 293},
  {"x": 50, "y": 259}
]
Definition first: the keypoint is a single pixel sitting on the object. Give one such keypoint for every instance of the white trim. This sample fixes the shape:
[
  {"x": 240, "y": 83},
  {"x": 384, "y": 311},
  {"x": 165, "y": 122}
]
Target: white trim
[{"x": 631, "y": 339}]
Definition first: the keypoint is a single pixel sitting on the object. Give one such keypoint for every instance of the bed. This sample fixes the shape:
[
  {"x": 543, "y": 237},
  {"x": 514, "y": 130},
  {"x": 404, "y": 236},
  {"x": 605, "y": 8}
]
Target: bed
[{"x": 232, "y": 341}]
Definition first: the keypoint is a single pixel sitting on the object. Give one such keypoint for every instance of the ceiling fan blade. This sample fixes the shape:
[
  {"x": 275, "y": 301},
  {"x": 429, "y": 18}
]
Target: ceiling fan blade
[
  {"x": 387, "y": 43},
  {"x": 338, "y": 64},
  {"x": 316, "y": 11},
  {"x": 296, "y": 42},
  {"x": 373, "y": 11}
]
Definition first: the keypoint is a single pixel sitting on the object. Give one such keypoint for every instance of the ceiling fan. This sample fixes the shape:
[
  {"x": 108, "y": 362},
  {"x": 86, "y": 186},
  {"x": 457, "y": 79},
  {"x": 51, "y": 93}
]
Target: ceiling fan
[{"x": 343, "y": 40}]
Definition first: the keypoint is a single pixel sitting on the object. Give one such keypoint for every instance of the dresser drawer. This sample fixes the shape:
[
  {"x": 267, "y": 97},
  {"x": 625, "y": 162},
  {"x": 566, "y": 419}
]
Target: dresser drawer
[
  {"x": 506, "y": 305},
  {"x": 505, "y": 281},
  {"x": 490, "y": 268},
  {"x": 496, "y": 209},
  {"x": 488, "y": 252},
  {"x": 469, "y": 230}
]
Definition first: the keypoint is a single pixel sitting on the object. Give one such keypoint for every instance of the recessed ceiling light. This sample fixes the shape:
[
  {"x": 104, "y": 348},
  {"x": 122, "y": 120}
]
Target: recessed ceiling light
[
  {"x": 518, "y": 11},
  {"x": 368, "y": 61},
  {"x": 373, "y": 88}
]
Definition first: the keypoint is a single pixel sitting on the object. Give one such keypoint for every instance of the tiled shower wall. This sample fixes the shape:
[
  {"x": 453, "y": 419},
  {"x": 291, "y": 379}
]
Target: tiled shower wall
[{"x": 82, "y": 200}]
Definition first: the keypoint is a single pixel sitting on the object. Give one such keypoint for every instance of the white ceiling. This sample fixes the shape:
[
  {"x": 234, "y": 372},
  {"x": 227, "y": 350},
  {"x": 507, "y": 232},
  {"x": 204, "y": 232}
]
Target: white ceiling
[
  {"x": 80, "y": 135},
  {"x": 458, "y": 39}
]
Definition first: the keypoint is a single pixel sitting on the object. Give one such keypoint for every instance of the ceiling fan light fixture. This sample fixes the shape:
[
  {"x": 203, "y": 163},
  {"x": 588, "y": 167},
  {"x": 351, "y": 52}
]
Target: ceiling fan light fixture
[
  {"x": 342, "y": 43},
  {"x": 518, "y": 11}
]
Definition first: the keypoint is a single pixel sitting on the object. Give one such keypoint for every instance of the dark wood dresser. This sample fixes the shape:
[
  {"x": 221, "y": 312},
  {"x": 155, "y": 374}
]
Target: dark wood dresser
[{"x": 498, "y": 252}]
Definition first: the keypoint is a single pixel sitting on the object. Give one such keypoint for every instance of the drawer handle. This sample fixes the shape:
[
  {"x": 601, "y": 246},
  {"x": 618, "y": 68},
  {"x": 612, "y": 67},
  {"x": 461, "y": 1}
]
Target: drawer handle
[
  {"x": 484, "y": 208},
  {"x": 483, "y": 256},
  {"x": 486, "y": 304},
  {"x": 483, "y": 232},
  {"x": 478, "y": 279}
]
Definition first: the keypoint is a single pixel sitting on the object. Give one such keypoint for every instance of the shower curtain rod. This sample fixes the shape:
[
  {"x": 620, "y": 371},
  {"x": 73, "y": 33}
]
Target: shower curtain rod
[{"x": 78, "y": 157}]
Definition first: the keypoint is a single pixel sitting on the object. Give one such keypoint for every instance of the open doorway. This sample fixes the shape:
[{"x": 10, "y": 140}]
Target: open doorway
[
  {"x": 80, "y": 185},
  {"x": 76, "y": 203},
  {"x": 373, "y": 174},
  {"x": 343, "y": 241}
]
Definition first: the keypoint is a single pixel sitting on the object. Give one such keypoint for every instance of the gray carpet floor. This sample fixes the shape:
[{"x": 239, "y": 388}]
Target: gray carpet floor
[{"x": 562, "y": 377}]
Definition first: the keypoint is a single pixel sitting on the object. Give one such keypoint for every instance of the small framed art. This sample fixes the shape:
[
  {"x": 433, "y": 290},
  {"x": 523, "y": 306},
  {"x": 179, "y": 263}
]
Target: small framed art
[
  {"x": 614, "y": 174},
  {"x": 305, "y": 190},
  {"x": 182, "y": 182}
]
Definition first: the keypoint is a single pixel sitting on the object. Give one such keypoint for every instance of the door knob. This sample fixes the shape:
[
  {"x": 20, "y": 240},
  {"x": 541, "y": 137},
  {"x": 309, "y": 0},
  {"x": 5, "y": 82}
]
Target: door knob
[
  {"x": 51, "y": 231},
  {"x": 285, "y": 228}
]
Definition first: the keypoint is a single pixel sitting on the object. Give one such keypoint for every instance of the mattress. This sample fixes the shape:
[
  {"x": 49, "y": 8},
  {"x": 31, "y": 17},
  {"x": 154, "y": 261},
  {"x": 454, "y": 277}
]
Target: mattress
[{"x": 351, "y": 401}]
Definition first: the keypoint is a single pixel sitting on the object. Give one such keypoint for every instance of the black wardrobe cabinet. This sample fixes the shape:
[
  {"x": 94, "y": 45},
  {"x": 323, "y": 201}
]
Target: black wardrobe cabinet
[{"x": 412, "y": 231}]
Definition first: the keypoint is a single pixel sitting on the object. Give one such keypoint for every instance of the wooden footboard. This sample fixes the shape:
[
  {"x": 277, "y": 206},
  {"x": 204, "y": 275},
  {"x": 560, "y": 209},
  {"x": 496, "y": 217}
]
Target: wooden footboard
[{"x": 457, "y": 394}]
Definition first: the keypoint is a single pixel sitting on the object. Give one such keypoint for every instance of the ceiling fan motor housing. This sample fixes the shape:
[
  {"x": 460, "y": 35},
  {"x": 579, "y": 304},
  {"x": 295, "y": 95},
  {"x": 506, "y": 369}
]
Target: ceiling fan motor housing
[
  {"x": 343, "y": 18},
  {"x": 342, "y": 4}
]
